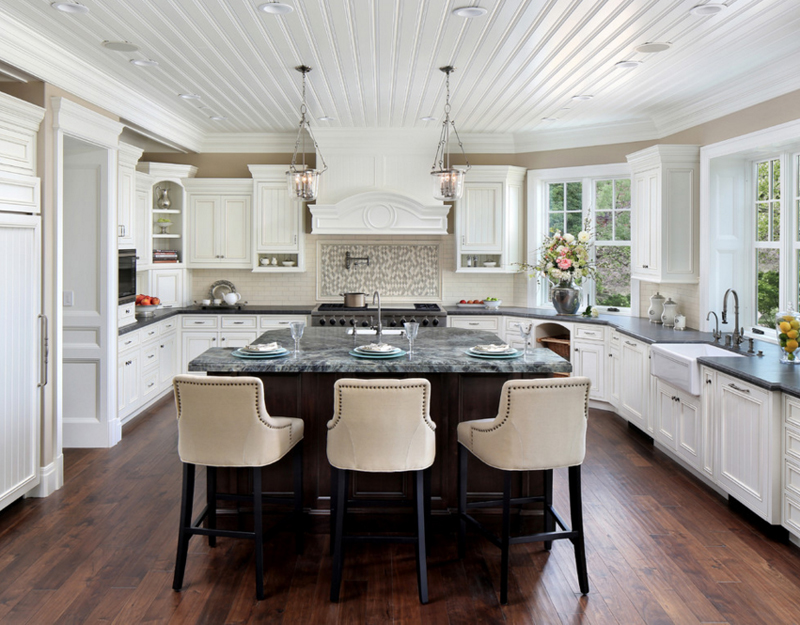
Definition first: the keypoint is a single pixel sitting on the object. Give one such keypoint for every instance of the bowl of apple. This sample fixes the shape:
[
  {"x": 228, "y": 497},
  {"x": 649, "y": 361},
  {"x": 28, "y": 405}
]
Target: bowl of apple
[
  {"x": 147, "y": 305},
  {"x": 492, "y": 302}
]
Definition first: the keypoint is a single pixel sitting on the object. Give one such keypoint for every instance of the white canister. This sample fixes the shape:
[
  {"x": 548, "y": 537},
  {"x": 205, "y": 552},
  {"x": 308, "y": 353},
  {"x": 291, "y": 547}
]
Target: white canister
[
  {"x": 668, "y": 316},
  {"x": 680, "y": 322},
  {"x": 656, "y": 308}
]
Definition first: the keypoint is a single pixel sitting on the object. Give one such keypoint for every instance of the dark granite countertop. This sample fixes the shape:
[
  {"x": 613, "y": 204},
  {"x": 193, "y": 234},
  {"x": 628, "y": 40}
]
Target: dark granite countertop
[
  {"x": 165, "y": 313},
  {"x": 436, "y": 350}
]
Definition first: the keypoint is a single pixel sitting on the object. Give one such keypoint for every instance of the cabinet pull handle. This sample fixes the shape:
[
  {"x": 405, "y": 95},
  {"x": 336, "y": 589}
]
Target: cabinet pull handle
[
  {"x": 161, "y": 346},
  {"x": 128, "y": 342},
  {"x": 238, "y": 323},
  {"x": 45, "y": 351},
  {"x": 223, "y": 338},
  {"x": 199, "y": 322},
  {"x": 283, "y": 323},
  {"x": 576, "y": 349},
  {"x": 631, "y": 344},
  {"x": 708, "y": 381},
  {"x": 645, "y": 266},
  {"x": 294, "y": 240},
  {"x": 474, "y": 323},
  {"x": 151, "y": 385},
  {"x": 741, "y": 390},
  {"x": 463, "y": 240},
  {"x": 149, "y": 356},
  {"x": 214, "y": 339}
]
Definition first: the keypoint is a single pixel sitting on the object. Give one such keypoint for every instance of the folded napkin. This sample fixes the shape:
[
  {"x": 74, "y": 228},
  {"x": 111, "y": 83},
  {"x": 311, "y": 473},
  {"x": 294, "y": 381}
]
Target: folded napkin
[
  {"x": 492, "y": 348},
  {"x": 264, "y": 347},
  {"x": 377, "y": 347}
]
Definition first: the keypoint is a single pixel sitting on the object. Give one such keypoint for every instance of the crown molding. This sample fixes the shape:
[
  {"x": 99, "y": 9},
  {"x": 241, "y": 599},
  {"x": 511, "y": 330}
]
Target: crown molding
[
  {"x": 20, "y": 113},
  {"x": 167, "y": 171},
  {"x": 79, "y": 122},
  {"x": 28, "y": 50},
  {"x": 585, "y": 136},
  {"x": 487, "y": 143},
  {"x": 129, "y": 155},
  {"x": 250, "y": 143}
]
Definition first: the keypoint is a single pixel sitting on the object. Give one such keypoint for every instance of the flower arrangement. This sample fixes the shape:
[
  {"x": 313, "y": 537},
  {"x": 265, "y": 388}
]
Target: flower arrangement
[{"x": 564, "y": 258}]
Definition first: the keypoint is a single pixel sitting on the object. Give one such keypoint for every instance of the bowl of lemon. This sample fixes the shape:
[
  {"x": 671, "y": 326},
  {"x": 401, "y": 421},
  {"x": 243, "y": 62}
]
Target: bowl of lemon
[{"x": 787, "y": 325}]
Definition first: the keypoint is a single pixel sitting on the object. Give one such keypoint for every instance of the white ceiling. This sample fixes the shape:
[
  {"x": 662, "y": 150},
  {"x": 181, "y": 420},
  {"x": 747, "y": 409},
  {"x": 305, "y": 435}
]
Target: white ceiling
[{"x": 376, "y": 64}]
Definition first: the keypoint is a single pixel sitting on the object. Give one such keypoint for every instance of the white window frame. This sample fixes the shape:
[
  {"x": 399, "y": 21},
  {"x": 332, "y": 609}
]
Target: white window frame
[
  {"x": 784, "y": 236},
  {"x": 538, "y": 224}
]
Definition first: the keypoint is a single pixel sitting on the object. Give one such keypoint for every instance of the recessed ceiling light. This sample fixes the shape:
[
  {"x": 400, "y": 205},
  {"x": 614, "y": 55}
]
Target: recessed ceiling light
[
  {"x": 428, "y": 118},
  {"x": 581, "y": 98},
  {"x": 652, "y": 47},
  {"x": 218, "y": 118},
  {"x": 120, "y": 46},
  {"x": 70, "y": 7},
  {"x": 276, "y": 8},
  {"x": 470, "y": 12},
  {"x": 326, "y": 118},
  {"x": 144, "y": 62},
  {"x": 189, "y": 96},
  {"x": 712, "y": 8},
  {"x": 627, "y": 64}
]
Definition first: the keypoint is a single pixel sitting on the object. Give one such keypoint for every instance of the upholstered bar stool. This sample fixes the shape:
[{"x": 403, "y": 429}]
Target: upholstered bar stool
[
  {"x": 223, "y": 422},
  {"x": 380, "y": 426},
  {"x": 540, "y": 426}
]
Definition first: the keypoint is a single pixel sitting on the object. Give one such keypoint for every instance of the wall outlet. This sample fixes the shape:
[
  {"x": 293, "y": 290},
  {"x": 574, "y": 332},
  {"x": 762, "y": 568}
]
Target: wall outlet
[{"x": 69, "y": 298}]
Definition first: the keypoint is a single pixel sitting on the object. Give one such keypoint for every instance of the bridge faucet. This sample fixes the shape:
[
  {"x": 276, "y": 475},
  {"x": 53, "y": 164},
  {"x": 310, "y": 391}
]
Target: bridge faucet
[
  {"x": 377, "y": 295},
  {"x": 716, "y": 333},
  {"x": 737, "y": 337}
]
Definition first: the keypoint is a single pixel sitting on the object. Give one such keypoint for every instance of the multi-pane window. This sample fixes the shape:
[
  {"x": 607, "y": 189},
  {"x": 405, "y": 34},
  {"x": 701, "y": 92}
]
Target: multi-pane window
[
  {"x": 767, "y": 240},
  {"x": 606, "y": 204}
]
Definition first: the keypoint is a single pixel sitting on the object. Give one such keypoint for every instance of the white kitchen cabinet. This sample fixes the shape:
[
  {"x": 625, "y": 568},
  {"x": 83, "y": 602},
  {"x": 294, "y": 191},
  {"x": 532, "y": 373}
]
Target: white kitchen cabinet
[
  {"x": 488, "y": 323},
  {"x": 128, "y": 382},
  {"x": 791, "y": 465},
  {"x": 143, "y": 242},
  {"x": 128, "y": 156},
  {"x": 510, "y": 331},
  {"x": 167, "y": 285},
  {"x": 748, "y": 432},
  {"x": 228, "y": 338},
  {"x": 613, "y": 369},
  {"x": 634, "y": 395},
  {"x": 279, "y": 322},
  {"x": 489, "y": 219},
  {"x": 589, "y": 359},
  {"x": 194, "y": 343},
  {"x": 707, "y": 394},
  {"x": 679, "y": 423},
  {"x": 219, "y": 226},
  {"x": 665, "y": 215},
  {"x": 167, "y": 359}
]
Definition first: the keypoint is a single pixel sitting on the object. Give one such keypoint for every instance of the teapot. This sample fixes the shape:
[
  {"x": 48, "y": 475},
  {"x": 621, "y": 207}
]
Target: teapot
[{"x": 232, "y": 297}]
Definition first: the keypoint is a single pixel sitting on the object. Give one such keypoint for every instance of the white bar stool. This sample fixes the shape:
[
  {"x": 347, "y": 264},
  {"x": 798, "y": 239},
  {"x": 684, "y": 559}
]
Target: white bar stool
[
  {"x": 223, "y": 422},
  {"x": 380, "y": 426},
  {"x": 540, "y": 426}
]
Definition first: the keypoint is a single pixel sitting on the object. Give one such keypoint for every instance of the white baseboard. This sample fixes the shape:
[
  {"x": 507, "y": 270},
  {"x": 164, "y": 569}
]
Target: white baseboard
[{"x": 51, "y": 478}]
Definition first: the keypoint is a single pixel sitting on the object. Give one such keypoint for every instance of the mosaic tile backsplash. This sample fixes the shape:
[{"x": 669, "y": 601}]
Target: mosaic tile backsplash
[{"x": 405, "y": 270}]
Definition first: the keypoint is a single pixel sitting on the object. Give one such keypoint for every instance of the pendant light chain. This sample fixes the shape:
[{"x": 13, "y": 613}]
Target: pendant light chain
[
  {"x": 304, "y": 124},
  {"x": 448, "y": 182}
]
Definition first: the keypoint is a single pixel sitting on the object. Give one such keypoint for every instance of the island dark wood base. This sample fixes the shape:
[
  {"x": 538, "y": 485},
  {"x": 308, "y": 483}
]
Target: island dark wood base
[{"x": 455, "y": 397}]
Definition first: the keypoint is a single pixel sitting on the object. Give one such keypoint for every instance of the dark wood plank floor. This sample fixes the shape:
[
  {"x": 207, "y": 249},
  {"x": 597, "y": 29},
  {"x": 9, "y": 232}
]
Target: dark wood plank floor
[{"x": 661, "y": 549}]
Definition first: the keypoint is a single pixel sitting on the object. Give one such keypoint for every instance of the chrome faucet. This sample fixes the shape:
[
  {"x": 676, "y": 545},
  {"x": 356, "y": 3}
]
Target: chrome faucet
[
  {"x": 716, "y": 333},
  {"x": 737, "y": 337},
  {"x": 379, "y": 329}
]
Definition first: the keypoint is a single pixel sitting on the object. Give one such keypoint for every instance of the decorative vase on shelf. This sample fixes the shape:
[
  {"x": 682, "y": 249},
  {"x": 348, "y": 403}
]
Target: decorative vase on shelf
[
  {"x": 656, "y": 308},
  {"x": 164, "y": 225},
  {"x": 668, "y": 316},
  {"x": 566, "y": 297},
  {"x": 162, "y": 198},
  {"x": 787, "y": 326}
]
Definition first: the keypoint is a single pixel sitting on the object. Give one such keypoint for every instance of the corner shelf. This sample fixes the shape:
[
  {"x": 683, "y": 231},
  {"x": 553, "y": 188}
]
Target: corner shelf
[{"x": 166, "y": 236}]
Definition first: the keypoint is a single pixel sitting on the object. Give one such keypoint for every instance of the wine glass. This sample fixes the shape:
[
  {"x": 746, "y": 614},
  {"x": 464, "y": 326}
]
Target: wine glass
[
  {"x": 525, "y": 333},
  {"x": 412, "y": 327},
  {"x": 297, "y": 328}
]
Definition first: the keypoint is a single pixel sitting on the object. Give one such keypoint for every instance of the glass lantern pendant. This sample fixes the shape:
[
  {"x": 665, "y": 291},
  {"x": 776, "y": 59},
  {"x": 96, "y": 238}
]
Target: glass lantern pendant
[
  {"x": 303, "y": 181},
  {"x": 448, "y": 182}
]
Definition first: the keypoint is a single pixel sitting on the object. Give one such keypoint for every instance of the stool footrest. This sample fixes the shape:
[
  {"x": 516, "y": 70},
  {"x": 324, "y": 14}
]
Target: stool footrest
[
  {"x": 366, "y": 538},
  {"x": 498, "y": 503},
  {"x": 542, "y": 537},
  {"x": 203, "y": 531},
  {"x": 378, "y": 503}
]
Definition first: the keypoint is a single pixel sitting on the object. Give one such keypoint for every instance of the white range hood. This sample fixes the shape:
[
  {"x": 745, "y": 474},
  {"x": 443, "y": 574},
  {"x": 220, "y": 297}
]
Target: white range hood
[{"x": 378, "y": 183}]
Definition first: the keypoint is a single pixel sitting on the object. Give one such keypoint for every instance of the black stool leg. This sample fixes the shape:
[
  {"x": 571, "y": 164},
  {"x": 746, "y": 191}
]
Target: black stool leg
[
  {"x": 334, "y": 491},
  {"x": 506, "y": 537},
  {"x": 549, "y": 521},
  {"x": 338, "y": 544},
  {"x": 426, "y": 496},
  {"x": 187, "y": 495},
  {"x": 462, "y": 500},
  {"x": 576, "y": 514},
  {"x": 422, "y": 558},
  {"x": 259, "y": 532},
  {"x": 297, "y": 470},
  {"x": 211, "y": 502}
]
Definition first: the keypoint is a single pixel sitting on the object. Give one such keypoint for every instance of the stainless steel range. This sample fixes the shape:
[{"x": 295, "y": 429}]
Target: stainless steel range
[{"x": 427, "y": 315}]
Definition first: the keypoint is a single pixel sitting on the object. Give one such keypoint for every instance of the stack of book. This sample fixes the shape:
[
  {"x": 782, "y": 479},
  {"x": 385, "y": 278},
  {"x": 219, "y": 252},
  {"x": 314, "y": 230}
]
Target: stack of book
[{"x": 165, "y": 256}]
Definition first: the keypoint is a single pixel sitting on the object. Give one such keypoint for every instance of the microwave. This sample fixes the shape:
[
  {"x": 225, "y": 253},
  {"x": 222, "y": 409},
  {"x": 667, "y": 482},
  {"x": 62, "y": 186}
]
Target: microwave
[{"x": 127, "y": 276}]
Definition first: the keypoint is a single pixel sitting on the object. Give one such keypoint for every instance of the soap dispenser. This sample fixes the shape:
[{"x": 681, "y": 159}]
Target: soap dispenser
[
  {"x": 656, "y": 308},
  {"x": 668, "y": 316}
]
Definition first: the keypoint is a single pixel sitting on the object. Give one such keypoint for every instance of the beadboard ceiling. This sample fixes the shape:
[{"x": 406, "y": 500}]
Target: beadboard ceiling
[{"x": 376, "y": 65}]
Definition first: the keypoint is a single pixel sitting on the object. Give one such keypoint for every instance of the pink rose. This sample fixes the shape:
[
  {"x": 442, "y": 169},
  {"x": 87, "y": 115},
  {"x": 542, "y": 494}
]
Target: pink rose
[{"x": 564, "y": 263}]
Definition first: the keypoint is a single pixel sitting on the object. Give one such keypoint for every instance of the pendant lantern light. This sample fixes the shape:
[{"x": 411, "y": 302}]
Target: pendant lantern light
[
  {"x": 303, "y": 180},
  {"x": 448, "y": 182}
]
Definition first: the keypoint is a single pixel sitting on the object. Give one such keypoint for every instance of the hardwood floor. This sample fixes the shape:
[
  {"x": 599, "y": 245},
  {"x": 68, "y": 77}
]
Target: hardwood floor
[{"x": 661, "y": 549}]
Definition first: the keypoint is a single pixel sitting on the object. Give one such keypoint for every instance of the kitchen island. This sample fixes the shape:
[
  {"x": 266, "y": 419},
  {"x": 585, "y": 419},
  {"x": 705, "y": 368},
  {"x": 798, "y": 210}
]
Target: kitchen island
[{"x": 462, "y": 388}]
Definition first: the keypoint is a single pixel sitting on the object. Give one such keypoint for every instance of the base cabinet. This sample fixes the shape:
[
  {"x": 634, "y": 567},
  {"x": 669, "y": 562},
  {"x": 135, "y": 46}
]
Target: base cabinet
[
  {"x": 634, "y": 393},
  {"x": 589, "y": 359},
  {"x": 791, "y": 464},
  {"x": 679, "y": 423}
]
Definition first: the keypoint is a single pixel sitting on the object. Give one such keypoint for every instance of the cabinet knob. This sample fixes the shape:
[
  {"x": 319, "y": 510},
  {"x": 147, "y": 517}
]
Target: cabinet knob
[
  {"x": 576, "y": 349},
  {"x": 645, "y": 266}
]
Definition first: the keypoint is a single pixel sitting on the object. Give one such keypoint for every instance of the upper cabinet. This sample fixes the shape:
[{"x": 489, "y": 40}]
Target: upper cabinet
[
  {"x": 665, "y": 213},
  {"x": 128, "y": 156},
  {"x": 19, "y": 126},
  {"x": 219, "y": 217},
  {"x": 279, "y": 223},
  {"x": 488, "y": 220}
]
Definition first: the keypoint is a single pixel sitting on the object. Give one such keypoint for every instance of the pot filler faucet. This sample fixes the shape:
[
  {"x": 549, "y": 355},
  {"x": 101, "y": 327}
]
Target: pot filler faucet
[
  {"x": 737, "y": 337},
  {"x": 377, "y": 294}
]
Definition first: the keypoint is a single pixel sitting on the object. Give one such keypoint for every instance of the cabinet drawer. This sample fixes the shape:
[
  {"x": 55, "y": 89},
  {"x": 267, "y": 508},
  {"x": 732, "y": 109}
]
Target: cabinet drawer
[
  {"x": 199, "y": 321},
  {"x": 149, "y": 333},
  {"x": 791, "y": 514},
  {"x": 791, "y": 442},
  {"x": 512, "y": 323},
  {"x": 791, "y": 412},
  {"x": 591, "y": 334},
  {"x": 239, "y": 322},
  {"x": 791, "y": 478},
  {"x": 268, "y": 322},
  {"x": 475, "y": 323},
  {"x": 125, "y": 311},
  {"x": 150, "y": 356},
  {"x": 168, "y": 325},
  {"x": 149, "y": 385},
  {"x": 615, "y": 340},
  {"x": 128, "y": 341}
]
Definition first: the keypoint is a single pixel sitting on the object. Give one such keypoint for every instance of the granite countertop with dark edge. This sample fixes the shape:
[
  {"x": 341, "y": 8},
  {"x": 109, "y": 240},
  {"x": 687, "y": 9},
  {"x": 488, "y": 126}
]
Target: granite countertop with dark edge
[
  {"x": 436, "y": 350},
  {"x": 166, "y": 313}
]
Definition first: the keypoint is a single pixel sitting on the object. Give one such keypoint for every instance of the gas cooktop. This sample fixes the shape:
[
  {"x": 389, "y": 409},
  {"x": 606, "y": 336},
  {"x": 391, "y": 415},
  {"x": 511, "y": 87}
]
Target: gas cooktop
[{"x": 340, "y": 308}]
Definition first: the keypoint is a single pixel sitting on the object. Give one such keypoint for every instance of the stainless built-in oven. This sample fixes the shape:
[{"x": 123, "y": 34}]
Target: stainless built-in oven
[{"x": 127, "y": 276}]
